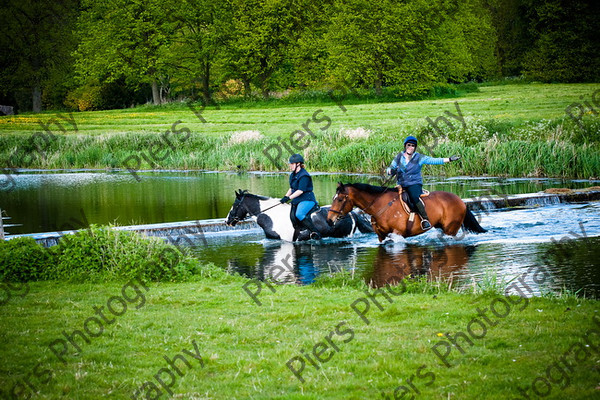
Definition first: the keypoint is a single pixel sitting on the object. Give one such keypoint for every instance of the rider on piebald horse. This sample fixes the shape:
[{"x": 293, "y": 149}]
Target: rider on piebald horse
[
  {"x": 407, "y": 167},
  {"x": 301, "y": 194}
]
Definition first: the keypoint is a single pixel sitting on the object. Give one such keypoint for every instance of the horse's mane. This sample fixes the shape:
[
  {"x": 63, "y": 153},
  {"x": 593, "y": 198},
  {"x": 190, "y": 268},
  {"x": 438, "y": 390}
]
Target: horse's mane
[
  {"x": 255, "y": 196},
  {"x": 364, "y": 187}
]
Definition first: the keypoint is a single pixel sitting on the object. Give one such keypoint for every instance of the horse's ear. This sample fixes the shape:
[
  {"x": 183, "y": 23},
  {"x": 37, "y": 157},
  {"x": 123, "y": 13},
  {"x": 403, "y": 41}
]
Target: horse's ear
[
  {"x": 340, "y": 187},
  {"x": 238, "y": 193}
]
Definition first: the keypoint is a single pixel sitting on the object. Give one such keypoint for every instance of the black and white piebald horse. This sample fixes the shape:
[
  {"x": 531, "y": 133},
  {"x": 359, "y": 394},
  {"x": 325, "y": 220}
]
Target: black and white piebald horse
[{"x": 274, "y": 218}]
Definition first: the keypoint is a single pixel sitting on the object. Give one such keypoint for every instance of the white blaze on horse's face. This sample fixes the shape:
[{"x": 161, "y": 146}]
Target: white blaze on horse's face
[
  {"x": 337, "y": 209},
  {"x": 228, "y": 221}
]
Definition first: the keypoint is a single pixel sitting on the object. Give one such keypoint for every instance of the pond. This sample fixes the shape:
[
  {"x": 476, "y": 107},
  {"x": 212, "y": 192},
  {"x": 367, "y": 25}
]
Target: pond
[{"x": 518, "y": 240}]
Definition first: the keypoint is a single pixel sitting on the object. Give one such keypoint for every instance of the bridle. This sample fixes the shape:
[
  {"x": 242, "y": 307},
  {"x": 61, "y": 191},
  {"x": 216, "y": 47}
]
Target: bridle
[
  {"x": 381, "y": 211},
  {"x": 343, "y": 204}
]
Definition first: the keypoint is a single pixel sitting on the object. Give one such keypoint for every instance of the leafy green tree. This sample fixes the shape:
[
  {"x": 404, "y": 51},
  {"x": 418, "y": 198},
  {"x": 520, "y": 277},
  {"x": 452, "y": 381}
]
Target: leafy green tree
[
  {"x": 125, "y": 38},
  {"x": 199, "y": 41},
  {"x": 566, "y": 35},
  {"x": 262, "y": 32},
  {"x": 36, "y": 42},
  {"x": 411, "y": 42},
  {"x": 513, "y": 39}
]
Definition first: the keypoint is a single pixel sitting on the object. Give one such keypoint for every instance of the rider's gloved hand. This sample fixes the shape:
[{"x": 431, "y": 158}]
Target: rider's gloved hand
[
  {"x": 392, "y": 171},
  {"x": 454, "y": 158},
  {"x": 284, "y": 199}
]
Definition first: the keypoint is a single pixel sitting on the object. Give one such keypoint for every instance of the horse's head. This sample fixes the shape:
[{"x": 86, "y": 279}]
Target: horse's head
[
  {"x": 341, "y": 204},
  {"x": 239, "y": 211}
]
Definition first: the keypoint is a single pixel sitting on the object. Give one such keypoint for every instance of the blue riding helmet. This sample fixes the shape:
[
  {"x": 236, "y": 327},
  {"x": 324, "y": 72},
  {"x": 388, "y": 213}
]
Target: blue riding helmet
[
  {"x": 296, "y": 158},
  {"x": 410, "y": 139}
]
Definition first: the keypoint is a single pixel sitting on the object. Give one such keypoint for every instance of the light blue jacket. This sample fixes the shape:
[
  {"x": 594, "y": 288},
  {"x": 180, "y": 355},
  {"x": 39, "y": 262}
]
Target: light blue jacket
[{"x": 409, "y": 172}]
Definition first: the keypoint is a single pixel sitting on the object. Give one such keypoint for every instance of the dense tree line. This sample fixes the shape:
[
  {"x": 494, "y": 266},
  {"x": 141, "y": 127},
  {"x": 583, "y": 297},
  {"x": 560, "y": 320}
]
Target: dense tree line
[{"x": 90, "y": 54}]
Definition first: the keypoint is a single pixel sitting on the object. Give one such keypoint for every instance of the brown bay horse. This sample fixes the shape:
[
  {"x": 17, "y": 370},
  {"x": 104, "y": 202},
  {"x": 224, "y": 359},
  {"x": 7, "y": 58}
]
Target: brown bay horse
[{"x": 445, "y": 210}]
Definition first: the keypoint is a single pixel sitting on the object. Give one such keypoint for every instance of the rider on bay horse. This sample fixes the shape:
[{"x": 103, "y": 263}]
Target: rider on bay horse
[{"x": 407, "y": 167}]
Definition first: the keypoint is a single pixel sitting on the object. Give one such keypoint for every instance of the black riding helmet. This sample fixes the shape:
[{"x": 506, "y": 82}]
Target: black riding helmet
[{"x": 296, "y": 158}]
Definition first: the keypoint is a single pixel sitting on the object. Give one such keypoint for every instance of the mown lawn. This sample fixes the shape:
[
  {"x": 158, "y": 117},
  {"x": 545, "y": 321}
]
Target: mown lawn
[{"x": 245, "y": 347}]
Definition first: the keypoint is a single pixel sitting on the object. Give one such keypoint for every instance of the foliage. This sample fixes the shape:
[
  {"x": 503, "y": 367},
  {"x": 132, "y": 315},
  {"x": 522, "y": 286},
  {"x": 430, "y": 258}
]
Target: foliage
[
  {"x": 565, "y": 36},
  {"x": 189, "y": 49},
  {"x": 22, "y": 260},
  {"x": 119, "y": 38},
  {"x": 36, "y": 40},
  {"x": 97, "y": 254}
]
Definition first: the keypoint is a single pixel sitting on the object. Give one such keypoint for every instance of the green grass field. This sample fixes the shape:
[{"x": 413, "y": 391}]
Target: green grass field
[
  {"x": 509, "y": 130},
  {"x": 516, "y": 104},
  {"x": 244, "y": 348},
  {"x": 78, "y": 322}
]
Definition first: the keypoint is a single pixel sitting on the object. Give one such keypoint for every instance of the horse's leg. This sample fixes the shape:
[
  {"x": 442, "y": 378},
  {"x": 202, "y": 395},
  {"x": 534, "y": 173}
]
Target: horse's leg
[
  {"x": 266, "y": 223},
  {"x": 457, "y": 212},
  {"x": 452, "y": 228},
  {"x": 381, "y": 234}
]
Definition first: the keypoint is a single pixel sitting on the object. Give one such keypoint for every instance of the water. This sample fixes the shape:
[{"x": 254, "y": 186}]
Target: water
[
  {"x": 559, "y": 241},
  {"x": 51, "y": 201}
]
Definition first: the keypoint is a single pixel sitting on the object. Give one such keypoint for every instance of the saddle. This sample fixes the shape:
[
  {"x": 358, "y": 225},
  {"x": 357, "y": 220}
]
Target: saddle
[
  {"x": 405, "y": 200},
  {"x": 295, "y": 222}
]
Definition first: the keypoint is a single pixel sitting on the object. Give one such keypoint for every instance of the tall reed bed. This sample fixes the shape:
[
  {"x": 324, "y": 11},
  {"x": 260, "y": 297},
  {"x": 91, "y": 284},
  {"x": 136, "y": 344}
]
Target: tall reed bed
[{"x": 555, "y": 148}]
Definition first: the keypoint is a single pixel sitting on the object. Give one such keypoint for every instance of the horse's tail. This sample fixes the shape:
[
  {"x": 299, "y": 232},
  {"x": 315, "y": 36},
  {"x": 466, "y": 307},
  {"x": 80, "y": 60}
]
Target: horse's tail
[
  {"x": 362, "y": 224},
  {"x": 470, "y": 223}
]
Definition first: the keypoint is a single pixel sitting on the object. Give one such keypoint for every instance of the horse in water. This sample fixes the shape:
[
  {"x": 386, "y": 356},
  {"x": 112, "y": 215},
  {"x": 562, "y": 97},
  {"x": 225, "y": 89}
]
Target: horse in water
[
  {"x": 274, "y": 218},
  {"x": 446, "y": 210}
]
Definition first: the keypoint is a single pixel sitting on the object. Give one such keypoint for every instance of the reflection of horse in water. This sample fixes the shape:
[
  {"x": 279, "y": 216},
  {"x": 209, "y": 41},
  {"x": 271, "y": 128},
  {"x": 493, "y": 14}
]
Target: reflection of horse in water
[
  {"x": 274, "y": 218},
  {"x": 299, "y": 262},
  {"x": 391, "y": 266},
  {"x": 283, "y": 263}
]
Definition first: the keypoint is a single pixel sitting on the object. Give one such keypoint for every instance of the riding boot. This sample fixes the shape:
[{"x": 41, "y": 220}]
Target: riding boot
[
  {"x": 308, "y": 224},
  {"x": 425, "y": 224}
]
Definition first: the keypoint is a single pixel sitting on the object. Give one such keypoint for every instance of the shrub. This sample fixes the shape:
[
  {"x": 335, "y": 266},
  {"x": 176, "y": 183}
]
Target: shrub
[
  {"x": 22, "y": 259},
  {"x": 96, "y": 254},
  {"x": 85, "y": 98},
  {"x": 102, "y": 253}
]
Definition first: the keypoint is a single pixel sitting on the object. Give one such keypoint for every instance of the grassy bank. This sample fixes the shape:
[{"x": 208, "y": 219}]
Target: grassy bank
[
  {"x": 230, "y": 347},
  {"x": 514, "y": 130},
  {"x": 245, "y": 347}
]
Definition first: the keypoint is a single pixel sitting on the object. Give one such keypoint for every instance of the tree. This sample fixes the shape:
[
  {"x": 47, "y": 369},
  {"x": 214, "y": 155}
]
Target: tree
[
  {"x": 412, "y": 42},
  {"x": 262, "y": 32},
  {"x": 566, "y": 35},
  {"x": 125, "y": 38},
  {"x": 36, "y": 44},
  {"x": 200, "y": 38}
]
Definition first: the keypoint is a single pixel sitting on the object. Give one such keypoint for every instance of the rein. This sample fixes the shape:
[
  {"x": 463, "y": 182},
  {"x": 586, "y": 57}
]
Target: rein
[
  {"x": 375, "y": 215},
  {"x": 250, "y": 214}
]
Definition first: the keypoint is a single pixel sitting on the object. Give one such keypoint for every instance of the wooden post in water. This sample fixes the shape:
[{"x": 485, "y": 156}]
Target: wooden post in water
[{"x": 1, "y": 226}]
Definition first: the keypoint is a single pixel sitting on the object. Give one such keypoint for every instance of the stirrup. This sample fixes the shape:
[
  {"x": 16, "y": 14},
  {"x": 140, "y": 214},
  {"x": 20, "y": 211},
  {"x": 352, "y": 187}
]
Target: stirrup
[{"x": 425, "y": 224}]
